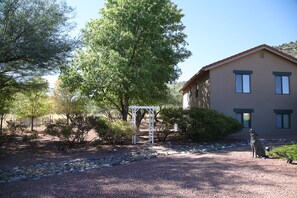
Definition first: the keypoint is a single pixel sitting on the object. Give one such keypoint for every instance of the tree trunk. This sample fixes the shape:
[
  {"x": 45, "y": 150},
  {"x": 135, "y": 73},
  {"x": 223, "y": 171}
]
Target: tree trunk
[
  {"x": 32, "y": 123},
  {"x": 139, "y": 117},
  {"x": 125, "y": 108},
  {"x": 1, "y": 123},
  {"x": 67, "y": 119},
  {"x": 124, "y": 113},
  {"x": 156, "y": 113}
]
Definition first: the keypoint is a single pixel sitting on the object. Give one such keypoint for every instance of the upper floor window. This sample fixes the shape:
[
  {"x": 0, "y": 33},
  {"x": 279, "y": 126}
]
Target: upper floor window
[
  {"x": 197, "y": 90},
  {"x": 282, "y": 82},
  {"x": 242, "y": 81},
  {"x": 190, "y": 93}
]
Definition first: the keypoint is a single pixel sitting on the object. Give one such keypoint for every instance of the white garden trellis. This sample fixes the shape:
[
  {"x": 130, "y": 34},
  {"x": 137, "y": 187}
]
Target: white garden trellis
[{"x": 151, "y": 110}]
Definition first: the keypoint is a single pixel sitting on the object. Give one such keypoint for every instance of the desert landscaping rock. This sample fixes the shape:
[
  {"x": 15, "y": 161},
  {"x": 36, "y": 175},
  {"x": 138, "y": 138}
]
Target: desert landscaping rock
[{"x": 37, "y": 171}]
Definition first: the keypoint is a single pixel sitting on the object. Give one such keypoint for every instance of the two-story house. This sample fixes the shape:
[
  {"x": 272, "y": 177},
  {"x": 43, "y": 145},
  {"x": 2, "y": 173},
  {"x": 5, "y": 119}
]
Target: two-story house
[{"x": 258, "y": 87}]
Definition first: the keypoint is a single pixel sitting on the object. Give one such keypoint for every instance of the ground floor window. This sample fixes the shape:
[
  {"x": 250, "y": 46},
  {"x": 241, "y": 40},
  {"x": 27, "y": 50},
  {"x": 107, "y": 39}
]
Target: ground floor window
[
  {"x": 283, "y": 119},
  {"x": 245, "y": 119},
  {"x": 244, "y": 116}
]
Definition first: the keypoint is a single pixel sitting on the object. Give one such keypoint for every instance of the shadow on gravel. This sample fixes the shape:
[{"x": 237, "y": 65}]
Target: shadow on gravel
[
  {"x": 20, "y": 153},
  {"x": 171, "y": 176}
]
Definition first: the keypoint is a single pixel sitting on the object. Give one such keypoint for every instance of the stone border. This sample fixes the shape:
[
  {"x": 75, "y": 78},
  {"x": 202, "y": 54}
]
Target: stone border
[{"x": 38, "y": 171}]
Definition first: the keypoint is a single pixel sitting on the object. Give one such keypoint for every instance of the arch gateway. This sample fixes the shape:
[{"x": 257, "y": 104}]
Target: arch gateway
[{"x": 151, "y": 110}]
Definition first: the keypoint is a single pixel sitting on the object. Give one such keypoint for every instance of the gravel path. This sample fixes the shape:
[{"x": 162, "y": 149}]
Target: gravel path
[{"x": 228, "y": 173}]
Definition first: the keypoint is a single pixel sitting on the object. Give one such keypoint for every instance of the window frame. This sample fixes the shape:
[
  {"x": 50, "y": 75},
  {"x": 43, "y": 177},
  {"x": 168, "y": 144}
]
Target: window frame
[
  {"x": 197, "y": 90},
  {"x": 190, "y": 93},
  {"x": 241, "y": 113},
  {"x": 241, "y": 74},
  {"x": 281, "y": 75},
  {"x": 281, "y": 114}
]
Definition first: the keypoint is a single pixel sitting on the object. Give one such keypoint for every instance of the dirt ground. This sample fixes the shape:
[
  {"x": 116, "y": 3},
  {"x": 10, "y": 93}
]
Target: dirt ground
[
  {"x": 45, "y": 149},
  {"x": 228, "y": 173}
]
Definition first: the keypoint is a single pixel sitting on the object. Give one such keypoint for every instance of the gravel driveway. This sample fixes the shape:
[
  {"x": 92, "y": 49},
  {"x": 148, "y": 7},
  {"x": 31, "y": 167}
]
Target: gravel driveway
[{"x": 229, "y": 173}]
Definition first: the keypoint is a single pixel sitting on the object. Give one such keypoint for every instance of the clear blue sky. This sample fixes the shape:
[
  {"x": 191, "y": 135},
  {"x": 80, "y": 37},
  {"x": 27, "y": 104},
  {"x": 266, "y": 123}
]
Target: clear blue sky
[{"x": 217, "y": 29}]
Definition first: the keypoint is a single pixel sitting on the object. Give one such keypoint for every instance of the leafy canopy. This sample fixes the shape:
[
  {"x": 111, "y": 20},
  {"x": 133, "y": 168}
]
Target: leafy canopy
[
  {"x": 66, "y": 102},
  {"x": 33, "y": 39},
  {"x": 130, "y": 53},
  {"x": 34, "y": 102}
]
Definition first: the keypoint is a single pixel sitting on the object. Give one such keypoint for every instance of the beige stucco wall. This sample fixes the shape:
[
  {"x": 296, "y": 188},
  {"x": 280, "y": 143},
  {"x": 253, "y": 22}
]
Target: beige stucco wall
[
  {"x": 186, "y": 103},
  {"x": 262, "y": 98},
  {"x": 202, "y": 99}
]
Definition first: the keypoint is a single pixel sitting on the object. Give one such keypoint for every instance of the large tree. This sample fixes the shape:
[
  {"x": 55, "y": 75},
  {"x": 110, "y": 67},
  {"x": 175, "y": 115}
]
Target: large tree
[
  {"x": 33, "y": 38},
  {"x": 130, "y": 53}
]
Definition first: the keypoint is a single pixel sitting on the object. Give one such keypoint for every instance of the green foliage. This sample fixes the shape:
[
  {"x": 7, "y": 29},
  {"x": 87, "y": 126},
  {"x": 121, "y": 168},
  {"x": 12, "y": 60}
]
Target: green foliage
[
  {"x": 170, "y": 116},
  {"x": 289, "y": 48},
  {"x": 4, "y": 138},
  {"x": 130, "y": 53},
  {"x": 13, "y": 127},
  {"x": 290, "y": 150},
  {"x": 175, "y": 98},
  {"x": 34, "y": 39},
  {"x": 209, "y": 124},
  {"x": 28, "y": 138},
  {"x": 33, "y": 102},
  {"x": 66, "y": 102},
  {"x": 70, "y": 134},
  {"x": 201, "y": 124},
  {"x": 6, "y": 102},
  {"x": 113, "y": 132},
  {"x": 164, "y": 132},
  {"x": 59, "y": 130}
]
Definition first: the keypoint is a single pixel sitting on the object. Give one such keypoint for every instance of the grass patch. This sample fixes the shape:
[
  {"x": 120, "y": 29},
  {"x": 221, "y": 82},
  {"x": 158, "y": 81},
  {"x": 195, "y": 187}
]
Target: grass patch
[{"x": 290, "y": 150}]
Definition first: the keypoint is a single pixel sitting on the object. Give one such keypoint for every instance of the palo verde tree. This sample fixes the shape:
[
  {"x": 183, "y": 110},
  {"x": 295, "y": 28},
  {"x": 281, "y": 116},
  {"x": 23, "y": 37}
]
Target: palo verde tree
[
  {"x": 33, "y": 38},
  {"x": 130, "y": 53},
  {"x": 32, "y": 103}
]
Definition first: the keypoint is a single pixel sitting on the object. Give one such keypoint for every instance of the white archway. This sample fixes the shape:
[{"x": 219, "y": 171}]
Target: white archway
[{"x": 151, "y": 110}]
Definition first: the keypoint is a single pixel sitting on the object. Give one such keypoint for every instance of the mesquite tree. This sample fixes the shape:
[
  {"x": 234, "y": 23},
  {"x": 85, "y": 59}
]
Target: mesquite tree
[{"x": 33, "y": 38}]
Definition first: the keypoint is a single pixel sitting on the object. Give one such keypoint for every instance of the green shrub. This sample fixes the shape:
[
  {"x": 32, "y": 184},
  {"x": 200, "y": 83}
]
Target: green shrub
[
  {"x": 113, "y": 132},
  {"x": 164, "y": 132},
  {"x": 4, "y": 138},
  {"x": 201, "y": 124},
  {"x": 61, "y": 121},
  {"x": 210, "y": 125},
  {"x": 61, "y": 131},
  {"x": 70, "y": 134},
  {"x": 290, "y": 150},
  {"x": 33, "y": 136},
  {"x": 13, "y": 127},
  {"x": 170, "y": 116}
]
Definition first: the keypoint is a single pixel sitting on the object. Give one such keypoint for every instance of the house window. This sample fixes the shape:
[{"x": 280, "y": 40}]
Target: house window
[
  {"x": 242, "y": 81},
  {"x": 282, "y": 82},
  {"x": 189, "y": 94},
  {"x": 244, "y": 116},
  {"x": 283, "y": 119},
  {"x": 197, "y": 91}
]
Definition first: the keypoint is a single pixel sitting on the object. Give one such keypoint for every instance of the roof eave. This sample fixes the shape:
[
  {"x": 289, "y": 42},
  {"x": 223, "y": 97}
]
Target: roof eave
[
  {"x": 235, "y": 57},
  {"x": 192, "y": 79}
]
